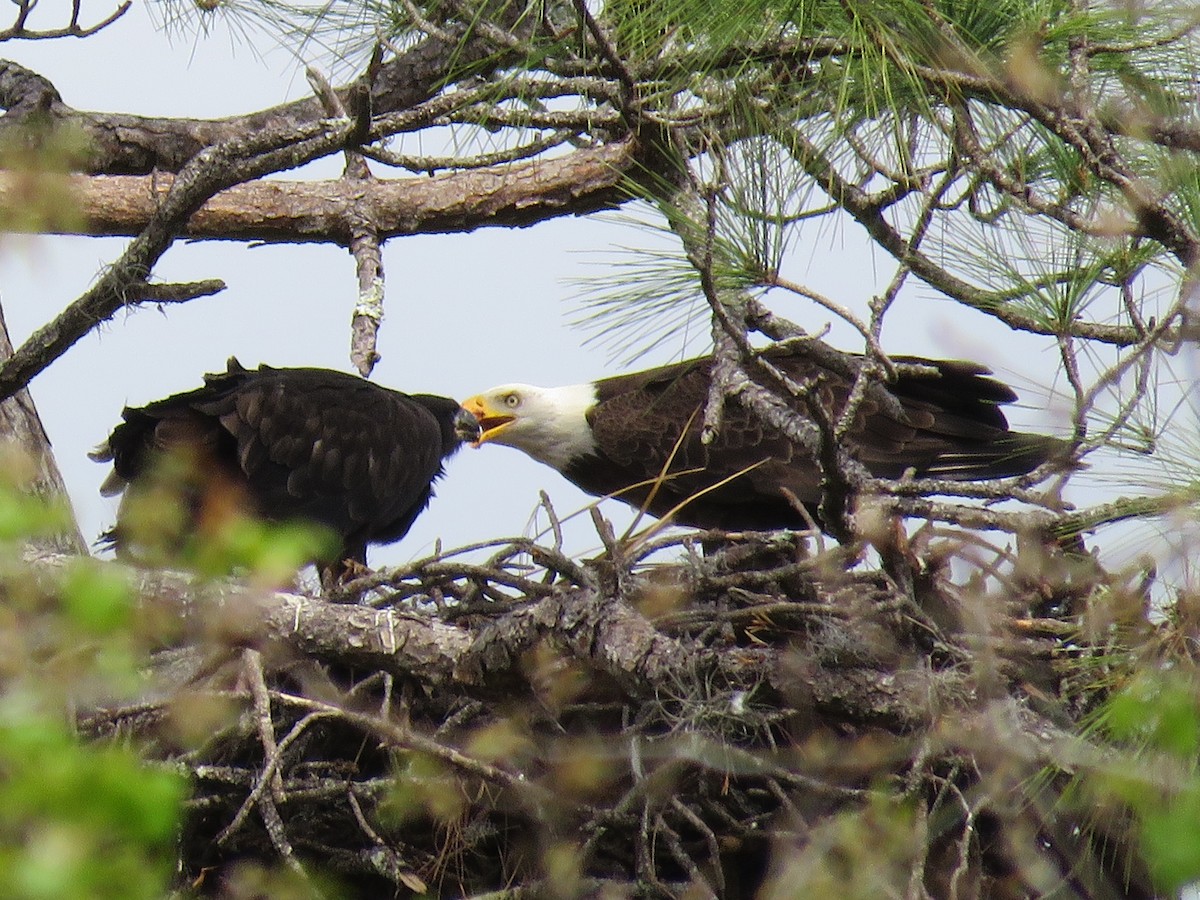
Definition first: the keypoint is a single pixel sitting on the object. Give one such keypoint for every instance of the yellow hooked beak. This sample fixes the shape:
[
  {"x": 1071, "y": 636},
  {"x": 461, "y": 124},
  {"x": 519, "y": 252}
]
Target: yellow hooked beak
[{"x": 491, "y": 421}]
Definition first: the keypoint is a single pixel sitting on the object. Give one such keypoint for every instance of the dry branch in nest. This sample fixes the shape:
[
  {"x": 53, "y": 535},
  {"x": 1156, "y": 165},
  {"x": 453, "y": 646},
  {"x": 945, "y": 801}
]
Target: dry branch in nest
[{"x": 750, "y": 720}]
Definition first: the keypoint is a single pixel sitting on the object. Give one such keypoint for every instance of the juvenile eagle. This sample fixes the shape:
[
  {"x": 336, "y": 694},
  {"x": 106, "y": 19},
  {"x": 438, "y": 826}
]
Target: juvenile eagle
[
  {"x": 305, "y": 444},
  {"x": 617, "y": 436}
]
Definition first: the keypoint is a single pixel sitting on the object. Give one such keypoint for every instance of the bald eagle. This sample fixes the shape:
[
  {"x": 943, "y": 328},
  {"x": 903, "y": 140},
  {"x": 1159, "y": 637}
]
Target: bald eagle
[
  {"x": 617, "y": 436},
  {"x": 310, "y": 445}
]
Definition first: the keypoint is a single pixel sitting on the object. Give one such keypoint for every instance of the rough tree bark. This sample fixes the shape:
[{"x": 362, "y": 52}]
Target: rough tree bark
[
  {"x": 25, "y": 438},
  {"x": 512, "y": 195}
]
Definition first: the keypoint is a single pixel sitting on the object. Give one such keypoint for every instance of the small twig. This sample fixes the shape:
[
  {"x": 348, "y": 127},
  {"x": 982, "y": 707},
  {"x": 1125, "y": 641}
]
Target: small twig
[
  {"x": 73, "y": 29},
  {"x": 174, "y": 293},
  {"x": 612, "y": 546},
  {"x": 1140, "y": 355},
  {"x": 263, "y": 780},
  {"x": 1066, "y": 348},
  {"x": 710, "y": 840},
  {"x": 555, "y": 524},
  {"x": 361, "y": 819},
  {"x": 423, "y": 24},
  {"x": 406, "y": 738},
  {"x": 630, "y": 105},
  {"x": 365, "y": 245},
  {"x": 431, "y": 164},
  {"x": 869, "y": 373},
  {"x": 775, "y": 280},
  {"x": 501, "y": 38},
  {"x": 277, "y": 832},
  {"x": 697, "y": 883},
  {"x": 1131, "y": 308},
  {"x": 253, "y": 671},
  {"x": 435, "y": 572}
]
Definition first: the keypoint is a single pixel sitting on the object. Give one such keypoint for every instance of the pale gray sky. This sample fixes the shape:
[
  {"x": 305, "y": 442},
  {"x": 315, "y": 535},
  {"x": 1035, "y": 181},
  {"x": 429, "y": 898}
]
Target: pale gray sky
[{"x": 464, "y": 312}]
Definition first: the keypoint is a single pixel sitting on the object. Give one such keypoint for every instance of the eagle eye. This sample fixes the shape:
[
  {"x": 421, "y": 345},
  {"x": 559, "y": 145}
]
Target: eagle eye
[{"x": 512, "y": 401}]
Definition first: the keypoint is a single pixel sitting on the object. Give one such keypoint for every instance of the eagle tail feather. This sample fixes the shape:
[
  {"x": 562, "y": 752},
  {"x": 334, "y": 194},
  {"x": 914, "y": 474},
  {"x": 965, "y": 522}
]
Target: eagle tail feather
[{"x": 1011, "y": 455}]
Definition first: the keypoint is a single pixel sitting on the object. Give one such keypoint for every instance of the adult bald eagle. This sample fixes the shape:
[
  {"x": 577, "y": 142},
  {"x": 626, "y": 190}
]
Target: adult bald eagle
[
  {"x": 313, "y": 445},
  {"x": 615, "y": 436}
]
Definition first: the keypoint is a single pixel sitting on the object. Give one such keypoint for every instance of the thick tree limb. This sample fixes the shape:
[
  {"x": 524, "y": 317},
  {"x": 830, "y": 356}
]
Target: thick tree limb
[
  {"x": 21, "y": 427},
  {"x": 295, "y": 211},
  {"x": 269, "y": 150},
  {"x": 608, "y": 635},
  {"x": 121, "y": 144}
]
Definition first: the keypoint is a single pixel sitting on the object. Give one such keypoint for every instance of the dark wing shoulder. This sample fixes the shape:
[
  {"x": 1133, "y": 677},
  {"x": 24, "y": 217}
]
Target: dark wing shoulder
[
  {"x": 639, "y": 417},
  {"x": 650, "y": 423},
  {"x": 331, "y": 446}
]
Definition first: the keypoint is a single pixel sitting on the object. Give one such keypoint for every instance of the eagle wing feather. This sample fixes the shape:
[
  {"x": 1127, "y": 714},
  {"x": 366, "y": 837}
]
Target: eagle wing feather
[
  {"x": 301, "y": 443},
  {"x": 947, "y": 423}
]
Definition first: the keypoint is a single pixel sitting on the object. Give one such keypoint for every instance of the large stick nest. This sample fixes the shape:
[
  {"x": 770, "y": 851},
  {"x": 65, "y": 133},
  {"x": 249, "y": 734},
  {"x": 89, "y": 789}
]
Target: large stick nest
[{"x": 762, "y": 719}]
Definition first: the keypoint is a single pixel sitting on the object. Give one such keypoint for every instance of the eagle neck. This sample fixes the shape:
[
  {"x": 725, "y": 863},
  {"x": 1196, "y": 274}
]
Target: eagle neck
[{"x": 560, "y": 432}]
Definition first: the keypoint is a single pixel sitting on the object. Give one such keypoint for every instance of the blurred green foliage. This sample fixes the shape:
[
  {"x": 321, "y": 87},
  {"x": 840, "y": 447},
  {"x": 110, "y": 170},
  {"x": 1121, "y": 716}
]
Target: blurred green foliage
[
  {"x": 1155, "y": 719},
  {"x": 38, "y": 196},
  {"x": 77, "y": 819},
  {"x": 269, "y": 553},
  {"x": 423, "y": 787},
  {"x": 178, "y": 516},
  {"x": 23, "y": 513},
  {"x": 94, "y": 819},
  {"x": 860, "y": 853}
]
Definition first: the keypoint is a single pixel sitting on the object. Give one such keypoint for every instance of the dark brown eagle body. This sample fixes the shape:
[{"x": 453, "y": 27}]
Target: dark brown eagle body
[
  {"x": 302, "y": 444},
  {"x": 944, "y": 425}
]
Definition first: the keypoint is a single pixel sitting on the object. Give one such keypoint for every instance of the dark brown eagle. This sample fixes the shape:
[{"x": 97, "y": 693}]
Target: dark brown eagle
[
  {"x": 310, "y": 445},
  {"x": 617, "y": 436}
]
